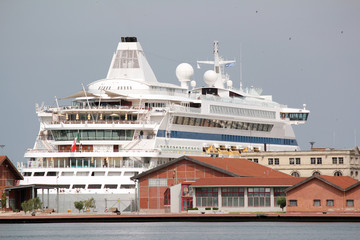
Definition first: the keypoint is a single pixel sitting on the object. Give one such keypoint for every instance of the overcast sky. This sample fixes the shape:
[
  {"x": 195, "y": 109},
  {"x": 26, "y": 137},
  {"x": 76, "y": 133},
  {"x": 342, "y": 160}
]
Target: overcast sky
[{"x": 305, "y": 51}]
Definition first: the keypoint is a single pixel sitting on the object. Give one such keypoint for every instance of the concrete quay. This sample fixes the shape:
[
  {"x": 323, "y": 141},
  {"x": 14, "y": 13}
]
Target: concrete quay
[{"x": 141, "y": 217}]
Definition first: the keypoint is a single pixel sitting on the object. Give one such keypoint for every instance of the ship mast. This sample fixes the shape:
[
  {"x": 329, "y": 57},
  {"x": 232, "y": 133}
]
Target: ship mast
[{"x": 219, "y": 64}]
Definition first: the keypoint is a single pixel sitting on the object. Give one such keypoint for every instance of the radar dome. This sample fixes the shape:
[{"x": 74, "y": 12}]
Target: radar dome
[
  {"x": 184, "y": 72},
  {"x": 210, "y": 77},
  {"x": 193, "y": 84}
]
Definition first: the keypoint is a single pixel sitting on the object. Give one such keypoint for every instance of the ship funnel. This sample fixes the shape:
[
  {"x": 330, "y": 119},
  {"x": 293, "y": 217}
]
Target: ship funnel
[{"x": 129, "y": 62}]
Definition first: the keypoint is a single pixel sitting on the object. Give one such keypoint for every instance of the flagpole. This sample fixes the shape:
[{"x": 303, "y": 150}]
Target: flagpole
[{"x": 87, "y": 100}]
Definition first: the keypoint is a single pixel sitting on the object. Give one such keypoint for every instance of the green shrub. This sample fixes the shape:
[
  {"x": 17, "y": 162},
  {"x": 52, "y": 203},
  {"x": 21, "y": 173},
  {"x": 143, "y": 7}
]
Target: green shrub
[
  {"x": 215, "y": 208},
  {"x": 208, "y": 208},
  {"x": 193, "y": 208},
  {"x": 79, "y": 205},
  {"x": 281, "y": 201},
  {"x": 31, "y": 204},
  {"x": 90, "y": 203}
]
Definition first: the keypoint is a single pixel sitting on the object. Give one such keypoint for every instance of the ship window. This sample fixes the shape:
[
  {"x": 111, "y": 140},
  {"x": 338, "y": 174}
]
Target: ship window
[
  {"x": 127, "y": 186},
  {"x": 114, "y": 174},
  {"x": 94, "y": 186},
  {"x": 98, "y": 174},
  {"x": 27, "y": 174},
  {"x": 52, "y": 174},
  {"x": 67, "y": 174},
  {"x": 130, "y": 174},
  {"x": 111, "y": 186},
  {"x": 39, "y": 174},
  {"x": 83, "y": 174},
  {"x": 78, "y": 186}
]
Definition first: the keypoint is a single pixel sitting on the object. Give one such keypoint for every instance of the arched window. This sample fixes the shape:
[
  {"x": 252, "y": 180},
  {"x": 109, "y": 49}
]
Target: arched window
[
  {"x": 338, "y": 173},
  {"x": 167, "y": 197},
  {"x": 295, "y": 174},
  {"x": 316, "y": 173}
]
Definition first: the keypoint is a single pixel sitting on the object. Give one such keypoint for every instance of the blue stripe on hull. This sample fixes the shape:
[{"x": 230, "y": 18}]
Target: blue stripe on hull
[{"x": 228, "y": 138}]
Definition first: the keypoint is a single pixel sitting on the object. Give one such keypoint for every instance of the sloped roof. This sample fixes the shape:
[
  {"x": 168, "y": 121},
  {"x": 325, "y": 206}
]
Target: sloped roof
[
  {"x": 242, "y": 167},
  {"x": 17, "y": 174},
  {"x": 341, "y": 183},
  {"x": 234, "y": 167},
  {"x": 247, "y": 181}
]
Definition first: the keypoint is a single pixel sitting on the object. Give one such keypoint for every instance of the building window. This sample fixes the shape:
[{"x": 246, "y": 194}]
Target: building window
[
  {"x": 341, "y": 160},
  {"x": 270, "y": 161},
  {"x": 319, "y": 161},
  {"x": 293, "y": 203},
  {"x": 206, "y": 197},
  {"x": 313, "y": 160},
  {"x": 334, "y": 160},
  {"x": 259, "y": 197},
  {"x": 316, "y": 173},
  {"x": 338, "y": 173},
  {"x": 298, "y": 161},
  {"x": 317, "y": 203},
  {"x": 232, "y": 197},
  {"x": 167, "y": 197},
  {"x": 256, "y": 160},
  {"x": 277, "y": 161},
  {"x": 330, "y": 203},
  {"x": 291, "y": 161},
  {"x": 158, "y": 182},
  {"x": 278, "y": 192},
  {"x": 350, "y": 203},
  {"x": 295, "y": 174}
]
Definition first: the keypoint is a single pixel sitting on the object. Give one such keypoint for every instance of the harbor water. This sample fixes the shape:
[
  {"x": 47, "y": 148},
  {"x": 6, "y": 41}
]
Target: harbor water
[{"x": 182, "y": 230}]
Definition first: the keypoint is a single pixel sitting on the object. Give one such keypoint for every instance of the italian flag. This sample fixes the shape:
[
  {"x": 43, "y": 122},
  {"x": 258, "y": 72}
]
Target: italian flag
[{"x": 76, "y": 140}]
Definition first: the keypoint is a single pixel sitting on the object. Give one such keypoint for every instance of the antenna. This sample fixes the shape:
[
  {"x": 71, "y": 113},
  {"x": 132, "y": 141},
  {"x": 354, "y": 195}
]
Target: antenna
[
  {"x": 241, "y": 77},
  {"x": 312, "y": 144}
]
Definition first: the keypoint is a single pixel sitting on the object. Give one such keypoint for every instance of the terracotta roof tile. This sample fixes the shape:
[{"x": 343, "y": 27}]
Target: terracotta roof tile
[
  {"x": 242, "y": 167},
  {"x": 341, "y": 181}
]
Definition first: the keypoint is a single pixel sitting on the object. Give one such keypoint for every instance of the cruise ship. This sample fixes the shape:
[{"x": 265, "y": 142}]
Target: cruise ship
[{"x": 130, "y": 122}]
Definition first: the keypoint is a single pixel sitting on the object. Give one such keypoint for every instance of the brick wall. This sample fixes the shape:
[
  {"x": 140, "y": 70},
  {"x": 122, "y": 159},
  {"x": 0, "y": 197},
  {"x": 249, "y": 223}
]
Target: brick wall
[{"x": 152, "y": 198}]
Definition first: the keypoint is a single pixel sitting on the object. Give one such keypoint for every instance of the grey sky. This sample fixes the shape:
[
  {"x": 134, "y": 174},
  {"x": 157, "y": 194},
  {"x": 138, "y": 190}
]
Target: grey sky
[{"x": 304, "y": 51}]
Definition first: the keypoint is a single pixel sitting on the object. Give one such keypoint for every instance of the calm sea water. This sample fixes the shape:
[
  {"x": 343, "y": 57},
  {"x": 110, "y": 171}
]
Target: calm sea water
[{"x": 173, "y": 231}]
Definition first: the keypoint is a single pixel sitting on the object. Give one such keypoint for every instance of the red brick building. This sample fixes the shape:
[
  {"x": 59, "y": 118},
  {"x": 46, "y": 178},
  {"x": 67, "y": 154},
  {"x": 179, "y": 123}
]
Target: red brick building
[
  {"x": 9, "y": 175},
  {"x": 324, "y": 194},
  {"x": 154, "y": 185}
]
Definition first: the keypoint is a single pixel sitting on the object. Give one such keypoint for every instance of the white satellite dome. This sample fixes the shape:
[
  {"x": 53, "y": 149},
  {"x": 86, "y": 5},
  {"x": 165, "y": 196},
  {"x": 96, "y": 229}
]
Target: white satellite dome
[
  {"x": 184, "y": 72},
  {"x": 210, "y": 77}
]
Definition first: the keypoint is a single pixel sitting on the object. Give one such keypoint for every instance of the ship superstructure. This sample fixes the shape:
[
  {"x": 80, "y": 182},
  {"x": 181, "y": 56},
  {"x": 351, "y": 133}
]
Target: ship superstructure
[{"x": 130, "y": 122}]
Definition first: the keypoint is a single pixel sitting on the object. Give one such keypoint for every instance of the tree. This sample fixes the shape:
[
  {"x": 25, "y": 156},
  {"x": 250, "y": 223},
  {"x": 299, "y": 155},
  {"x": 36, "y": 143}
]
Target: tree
[
  {"x": 281, "y": 201},
  {"x": 90, "y": 203},
  {"x": 3, "y": 200},
  {"x": 31, "y": 204},
  {"x": 79, "y": 205}
]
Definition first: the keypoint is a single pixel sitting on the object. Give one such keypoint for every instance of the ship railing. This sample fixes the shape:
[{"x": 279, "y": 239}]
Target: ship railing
[
  {"x": 146, "y": 121},
  {"x": 241, "y": 101},
  {"x": 37, "y": 164},
  {"x": 30, "y": 150},
  {"x": 50, "y": 109},
  {"x": 179, "y": 108}
]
